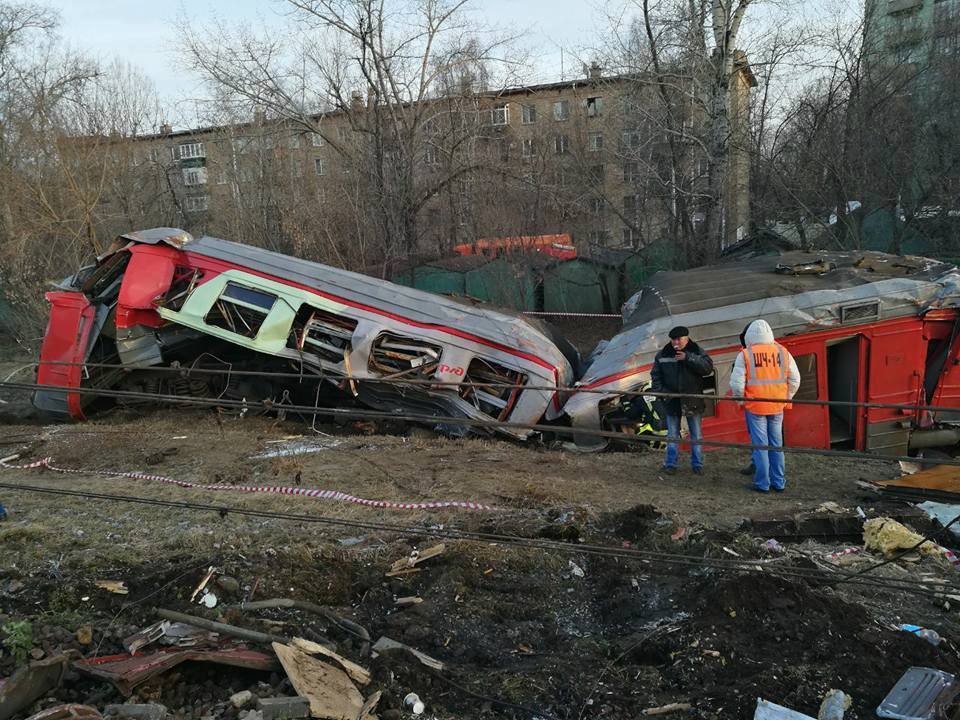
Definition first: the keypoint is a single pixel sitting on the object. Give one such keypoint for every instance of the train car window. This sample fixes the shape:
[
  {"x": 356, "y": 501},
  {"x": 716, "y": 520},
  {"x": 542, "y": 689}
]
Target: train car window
[{"x": 240, "y": 310}]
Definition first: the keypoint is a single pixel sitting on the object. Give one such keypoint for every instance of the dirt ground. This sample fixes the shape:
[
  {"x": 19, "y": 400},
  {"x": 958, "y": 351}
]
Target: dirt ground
[{"x": 524, "y": 631}]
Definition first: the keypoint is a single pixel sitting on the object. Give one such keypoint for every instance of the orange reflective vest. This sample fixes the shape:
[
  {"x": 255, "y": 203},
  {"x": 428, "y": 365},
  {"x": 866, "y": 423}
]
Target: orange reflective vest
[{"x": 766, "y": 368}]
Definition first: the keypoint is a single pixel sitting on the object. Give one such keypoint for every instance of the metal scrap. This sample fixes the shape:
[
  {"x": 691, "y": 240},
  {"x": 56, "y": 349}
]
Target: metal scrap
[
  {"x": 127, "y": 672},
  {"x": 30, "y": 683}
]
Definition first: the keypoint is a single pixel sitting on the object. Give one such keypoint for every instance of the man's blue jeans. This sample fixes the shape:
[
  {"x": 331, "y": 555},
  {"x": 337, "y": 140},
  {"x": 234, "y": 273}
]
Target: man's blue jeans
[
  {"x": 673, "y": 435},
  {"x": 767, "y": 464}
]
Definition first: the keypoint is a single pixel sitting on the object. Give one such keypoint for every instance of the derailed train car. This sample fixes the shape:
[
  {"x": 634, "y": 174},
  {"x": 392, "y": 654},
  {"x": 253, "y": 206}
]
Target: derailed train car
[
  {"x": 160, "y": 298},
  {"x": 864, "y": 327}
]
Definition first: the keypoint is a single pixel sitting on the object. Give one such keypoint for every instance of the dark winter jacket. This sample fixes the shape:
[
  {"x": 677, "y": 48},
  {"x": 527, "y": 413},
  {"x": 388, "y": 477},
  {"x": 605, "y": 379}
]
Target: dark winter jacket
[{"x": 683, "y": 376}]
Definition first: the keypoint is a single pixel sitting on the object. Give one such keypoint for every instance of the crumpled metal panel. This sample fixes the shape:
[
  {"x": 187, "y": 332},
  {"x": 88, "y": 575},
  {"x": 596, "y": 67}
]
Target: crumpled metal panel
[
  {"x": 174, "y": 237},
  {"x": 920, "y": 694}
]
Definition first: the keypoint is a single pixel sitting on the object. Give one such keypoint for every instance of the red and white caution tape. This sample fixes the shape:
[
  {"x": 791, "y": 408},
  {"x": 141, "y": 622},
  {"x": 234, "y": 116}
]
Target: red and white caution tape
[
  {"x": 275, "y": 489},
  {"x": 951, "y": 558}
]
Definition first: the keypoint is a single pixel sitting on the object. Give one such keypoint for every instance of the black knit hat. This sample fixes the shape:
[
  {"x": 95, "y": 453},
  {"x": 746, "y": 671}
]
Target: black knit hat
[{"x": 678, "y": 332}]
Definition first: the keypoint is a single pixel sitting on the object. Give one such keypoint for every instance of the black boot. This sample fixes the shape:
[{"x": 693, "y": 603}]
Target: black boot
[{"x": 748, "y": 470}]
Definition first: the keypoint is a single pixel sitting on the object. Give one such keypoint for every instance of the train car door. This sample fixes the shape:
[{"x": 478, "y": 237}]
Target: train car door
[{"x": 806, "y": 425}]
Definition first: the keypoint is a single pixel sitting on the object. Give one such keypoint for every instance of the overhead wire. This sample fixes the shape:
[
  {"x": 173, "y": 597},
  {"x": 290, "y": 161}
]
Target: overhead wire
[
  {"x": 561, "y": 390},
  {"x": 363, "y": 414},
  {"x": 633, "y": 554}
]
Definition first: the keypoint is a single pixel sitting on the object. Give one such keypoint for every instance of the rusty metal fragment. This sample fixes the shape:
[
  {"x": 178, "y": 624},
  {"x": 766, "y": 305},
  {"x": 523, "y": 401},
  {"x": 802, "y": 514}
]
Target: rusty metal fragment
[{"x": 127, "y": 672}]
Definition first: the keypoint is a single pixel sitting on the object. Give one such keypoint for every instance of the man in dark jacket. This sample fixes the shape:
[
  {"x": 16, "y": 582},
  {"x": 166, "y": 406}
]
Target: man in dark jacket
[{"x": 681, "y": 367}]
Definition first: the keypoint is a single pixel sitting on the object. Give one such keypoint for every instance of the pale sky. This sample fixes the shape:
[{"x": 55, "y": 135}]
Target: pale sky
[{"x": 145, "y": 34}]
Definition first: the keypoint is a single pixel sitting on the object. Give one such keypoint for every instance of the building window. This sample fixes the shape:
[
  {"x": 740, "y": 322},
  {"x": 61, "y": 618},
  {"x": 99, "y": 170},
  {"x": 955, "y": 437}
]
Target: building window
[
  {"x": 500, "y": 115},
  {"x": 194, "y": 176},
  {"x": 631, "y": 205},
  {"x": 561, "y": 110},
  {"x": 595, "y": 205},
  {"x": 631, "y": 237},
  {"x": 196, "y": 203},
  {"x": 526, "y": 147},
  {"x": 296, "y": 167},
  {"x": 529, "y": 114},
  {"x": 155, "y": 155},
  {"x": 594, "y": 106},
  {"x": 343, "y": 133},
  {"x": 595, "y": 142},
  {"x": 191, "y": 150},
  {"x": 318, "y": 166},
  {"x": 631, "y": 139},
  {"x": 561, "y": 144},
  {"x": 222, "y": 176},
  {"x": 316, "y": 139},
  {"x": 598, "y": 237},
  {"x": 293, "y": 142},
  {"x": 631, "y": 172},
  {"x": 430, "y": 155},
  {"x": 596, "y": 174}
]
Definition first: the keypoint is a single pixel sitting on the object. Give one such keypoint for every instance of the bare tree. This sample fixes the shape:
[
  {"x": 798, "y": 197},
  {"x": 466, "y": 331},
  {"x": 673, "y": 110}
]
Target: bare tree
[{"x": 388, "y": 69}]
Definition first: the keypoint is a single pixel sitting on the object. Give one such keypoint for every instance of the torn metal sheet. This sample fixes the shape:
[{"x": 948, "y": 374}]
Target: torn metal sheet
[
  {"x": 206, "y": 303},
  {"x": 126, "y": 672},
  {"x": 298, "y": 447},
  {"x": 920, "y": 694}
]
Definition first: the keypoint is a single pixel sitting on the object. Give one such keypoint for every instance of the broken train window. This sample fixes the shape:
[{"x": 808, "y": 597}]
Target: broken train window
[
  {"x": 322, "y": 334},
  {"x": 499, "y": 397},
  {"x": 396, "y": 355},
  {"x": 240, "y": 310},
  {"x": 184, "y": 281}
]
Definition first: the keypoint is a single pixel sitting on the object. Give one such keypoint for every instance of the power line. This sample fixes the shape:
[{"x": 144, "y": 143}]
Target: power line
[
  {"x": 638, "y": 438},
  {"x": 635, "y": 554},
  {"x": 566, "y": 391}
]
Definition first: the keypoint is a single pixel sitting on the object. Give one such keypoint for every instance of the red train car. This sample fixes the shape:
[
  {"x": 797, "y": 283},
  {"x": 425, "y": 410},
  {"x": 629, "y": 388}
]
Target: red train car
[{"x": 864, "y": 327}]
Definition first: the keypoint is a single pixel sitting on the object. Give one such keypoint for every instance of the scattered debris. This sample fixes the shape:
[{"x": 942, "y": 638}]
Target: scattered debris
[
  {"x": 834, "y": 705},
  {"x": 408, "y": 601},
  {"x": 576, "y": 569},
  {"x": 137, "y": 711},
  {"x": 117, "y": 587},
  {"x": 931, "y": 636},
  {"x": 773, "y": 546},
  {"x": 414, "y": 704},
  {"x": 203, "y": 583},
  {"x": 384, "y": 644},
  {"x": 667, "y": 709},
  {"x": 222, "y": 628},
  {"x": 84, "y": 634},
  {"x": 297, "y": 447},
  {"x": 30, "y": 683},
  {"x": 921, "y": 693},
  {"x": 67, "y": 712},
  {"x": 767, "y": 710},
  {"x": 241, "y": 699},
  {"x": 408, "y": 564},
  {"x": 284, "y": 707},
  {"x": 888, "y": 536}
]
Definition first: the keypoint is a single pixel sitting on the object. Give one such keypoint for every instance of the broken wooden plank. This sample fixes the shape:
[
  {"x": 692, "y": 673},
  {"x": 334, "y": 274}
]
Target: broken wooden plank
[
  {"x": 118, "y": 587},
  {"x": 331, "y": 694},
  {"x": 415, "y": 558},
  {"x": 366, "y": 712},
  {"x": 385, "y": 643},
  {"x": 357, "y": 673}
]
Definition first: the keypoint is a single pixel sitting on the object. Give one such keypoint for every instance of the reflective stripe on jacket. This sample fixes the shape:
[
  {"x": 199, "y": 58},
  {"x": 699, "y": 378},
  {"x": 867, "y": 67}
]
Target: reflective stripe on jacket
[{"x": 766, "y": 368}]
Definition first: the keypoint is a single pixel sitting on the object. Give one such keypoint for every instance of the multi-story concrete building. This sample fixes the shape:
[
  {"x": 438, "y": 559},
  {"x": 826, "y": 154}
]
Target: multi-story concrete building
[{"x": 598, "y": 158}]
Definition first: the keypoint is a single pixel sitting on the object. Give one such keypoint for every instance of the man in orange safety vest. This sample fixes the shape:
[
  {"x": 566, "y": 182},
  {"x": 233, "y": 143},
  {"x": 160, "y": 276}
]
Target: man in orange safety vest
[{"x": 766, "y": 374}]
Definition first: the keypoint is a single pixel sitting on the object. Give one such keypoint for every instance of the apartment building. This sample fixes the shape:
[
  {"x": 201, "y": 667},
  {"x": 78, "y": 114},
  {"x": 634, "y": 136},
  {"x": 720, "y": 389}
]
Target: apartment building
[{"x": 597, "y": 157}]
